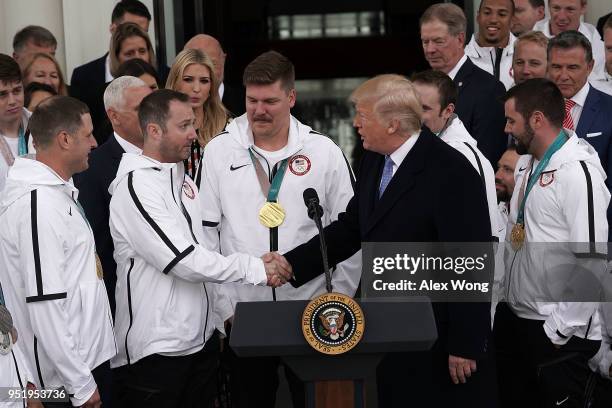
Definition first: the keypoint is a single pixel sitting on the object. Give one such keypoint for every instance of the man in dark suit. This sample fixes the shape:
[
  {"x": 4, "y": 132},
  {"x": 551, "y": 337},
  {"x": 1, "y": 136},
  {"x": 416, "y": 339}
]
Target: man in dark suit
[
  {"x": 89, "y": 80},
  {"x": 587, "y": 110},
  {"x": 121, "y": 100},
  {"x": 403, "y": 195},
  {"x": 233, "y": 97},
  {"x": 443, "y": 29}
]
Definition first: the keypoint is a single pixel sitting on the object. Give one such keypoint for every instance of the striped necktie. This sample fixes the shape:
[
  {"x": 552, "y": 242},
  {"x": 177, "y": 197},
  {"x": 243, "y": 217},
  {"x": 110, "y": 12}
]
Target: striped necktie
[
  {"x": 386, "y": 175},
  {"x": 568, "y": 122}
]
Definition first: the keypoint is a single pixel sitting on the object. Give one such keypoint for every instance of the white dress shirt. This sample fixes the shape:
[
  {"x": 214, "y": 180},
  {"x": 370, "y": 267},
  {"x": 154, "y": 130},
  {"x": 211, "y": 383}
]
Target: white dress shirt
[
  {"x": 453, "y": 72},
  {"x": 127, "y": 146},
  {"x": 579, "y": 98},
  {"x": 401, "y": 152}
]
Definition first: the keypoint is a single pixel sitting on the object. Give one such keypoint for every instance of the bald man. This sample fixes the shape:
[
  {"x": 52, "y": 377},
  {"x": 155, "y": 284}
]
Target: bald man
[{"x": 232, "y": 97}]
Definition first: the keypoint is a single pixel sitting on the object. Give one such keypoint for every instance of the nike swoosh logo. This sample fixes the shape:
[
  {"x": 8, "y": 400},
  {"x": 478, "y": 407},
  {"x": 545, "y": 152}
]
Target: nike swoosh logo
[
  {"x": 232, "y": 168},
  {"x": 522, "y": 169},
  {"x": 562, "y": 401},
  {"x": 70, "y": 211}
]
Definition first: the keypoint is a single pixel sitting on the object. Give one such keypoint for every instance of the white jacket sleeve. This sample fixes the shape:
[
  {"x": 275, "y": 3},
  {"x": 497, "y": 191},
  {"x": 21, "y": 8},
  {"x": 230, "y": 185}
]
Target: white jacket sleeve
[
  {"x": 141, "y": 218},
  {"x": 42, "y": 263},
  {"x": 210, "y": 201},
  {"x": 339, "y": 191},
  {"x": 588, "y": 238}
]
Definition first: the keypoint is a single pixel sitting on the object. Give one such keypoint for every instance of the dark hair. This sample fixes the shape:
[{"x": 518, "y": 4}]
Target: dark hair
[
  {"x": 34, "y": 87},
  {"x": 137, "y": 67},
  {"x": 570, "y": 39},
  {"x": 155, "y": 108},
  {"x": 512, "y": 6},
  {"x": 608, "y": 23},
  {"x": 9, "y": 69},
  {"x": 268, "y": 68},
  {"x": 122, "y": 33},
  {"x": 538, "y": 94},
  {"x": 536, "y": 3},
  {"x": 448, "y": 13},
  {"x": 129, "y": 6},
  {"x": 54, "y": 115},
  {"x": 446, "y": 87},
  {"x": 37, "y": 34}
]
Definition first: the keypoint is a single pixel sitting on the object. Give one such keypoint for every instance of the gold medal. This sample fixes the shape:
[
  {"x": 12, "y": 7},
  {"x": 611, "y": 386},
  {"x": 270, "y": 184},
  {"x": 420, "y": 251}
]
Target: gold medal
[
  {"x": 99, "y": 270},
  {"x": 517, "y": 236},
  {"x": 271, "y": 215}
]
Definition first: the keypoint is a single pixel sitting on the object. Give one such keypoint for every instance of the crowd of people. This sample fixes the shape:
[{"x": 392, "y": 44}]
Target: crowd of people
[{"x": 140, "y": 203}]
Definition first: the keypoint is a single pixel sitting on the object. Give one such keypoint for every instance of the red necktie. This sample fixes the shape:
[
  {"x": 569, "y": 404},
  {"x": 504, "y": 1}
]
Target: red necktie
[{"x": 568, "y": 122}]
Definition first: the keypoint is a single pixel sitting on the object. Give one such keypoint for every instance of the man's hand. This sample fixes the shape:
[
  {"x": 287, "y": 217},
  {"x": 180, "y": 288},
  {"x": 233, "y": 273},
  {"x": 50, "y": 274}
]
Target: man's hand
[
  {"x": 93, "y": 401},
  {"x": 278, "y": 269},
  {"x": 460, "y": 369}
]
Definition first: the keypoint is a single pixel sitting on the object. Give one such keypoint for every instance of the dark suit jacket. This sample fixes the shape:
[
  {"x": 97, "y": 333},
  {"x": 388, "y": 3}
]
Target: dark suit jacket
[
  {"x": 93, "y": 186},
  {"x": 480, "y": 109},
  {"x": 87, "y": 84},
  {"x": 234, "y": 99},
  {"x": 596, "y": 127},
  {"x": 434, "y": 196}
]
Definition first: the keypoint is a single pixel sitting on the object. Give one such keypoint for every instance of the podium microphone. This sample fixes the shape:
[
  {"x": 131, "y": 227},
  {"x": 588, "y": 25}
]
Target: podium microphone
[{"x": 315, "y": 212}]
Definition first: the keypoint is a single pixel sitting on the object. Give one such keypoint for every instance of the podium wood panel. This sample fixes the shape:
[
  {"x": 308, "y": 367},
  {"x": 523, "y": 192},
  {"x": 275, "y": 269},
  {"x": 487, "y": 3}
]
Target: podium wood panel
[{"x": 336, "y": 394}]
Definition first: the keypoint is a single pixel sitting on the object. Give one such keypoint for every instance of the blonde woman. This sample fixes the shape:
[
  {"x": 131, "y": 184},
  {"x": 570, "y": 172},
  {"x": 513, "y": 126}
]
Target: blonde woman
[
  {"x": 192, "y": 73},
  {"x": 130, "y": 41},
  {"x": 43, "y": 68}
]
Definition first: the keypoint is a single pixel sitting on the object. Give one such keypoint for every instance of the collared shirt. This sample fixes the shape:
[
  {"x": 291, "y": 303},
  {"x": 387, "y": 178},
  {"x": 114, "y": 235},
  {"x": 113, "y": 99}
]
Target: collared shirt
[
  {"x": 453, "y": 72},
  {"x": 127, "y": 146},
  {"x": 484, "y": 58},
  {"x": 401, "y": 152},
  {"x": 603, "y": 82},
  {"x": 108, "y": 77},
  {"x": 579, "y": 98}
]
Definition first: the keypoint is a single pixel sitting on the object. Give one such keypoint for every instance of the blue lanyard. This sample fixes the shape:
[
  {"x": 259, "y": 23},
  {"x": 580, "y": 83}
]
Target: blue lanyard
[
  {"x": 22, "y": 149},
  {"x": 552, "y": 149}
]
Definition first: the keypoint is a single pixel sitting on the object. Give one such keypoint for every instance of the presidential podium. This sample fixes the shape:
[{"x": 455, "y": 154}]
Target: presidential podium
[{"x": 391, "y": 325}]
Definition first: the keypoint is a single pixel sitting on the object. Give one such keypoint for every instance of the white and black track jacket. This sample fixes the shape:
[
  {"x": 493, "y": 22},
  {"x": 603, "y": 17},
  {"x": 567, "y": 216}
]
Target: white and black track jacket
[
  {"x": 164, "y": 305},
  {"x": 50, "y": 281},
  {"x": 566, "y": 235},
  {"x": 232, "y": 197}
]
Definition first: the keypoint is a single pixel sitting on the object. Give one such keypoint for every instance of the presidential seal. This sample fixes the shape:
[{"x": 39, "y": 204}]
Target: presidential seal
[{"x": 333, "y": 323}]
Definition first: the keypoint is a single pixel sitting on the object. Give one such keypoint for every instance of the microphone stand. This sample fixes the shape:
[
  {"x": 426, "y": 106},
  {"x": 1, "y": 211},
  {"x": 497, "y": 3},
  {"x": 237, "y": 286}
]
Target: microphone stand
[{"x": 316, "y": 211}]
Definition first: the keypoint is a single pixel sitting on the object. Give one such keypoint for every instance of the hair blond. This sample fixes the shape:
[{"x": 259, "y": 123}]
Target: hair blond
[
  {"x": 62, "y": 89},
  {"x": 393, "y": 98},
  {"x": 215, "y": 114}
]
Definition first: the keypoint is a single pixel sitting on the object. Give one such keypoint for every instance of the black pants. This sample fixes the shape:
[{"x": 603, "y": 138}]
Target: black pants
[
  {"x": 254, "y": 382},
  {"x": 161, "y": 381},
  {"x": 532, "y": 372}
]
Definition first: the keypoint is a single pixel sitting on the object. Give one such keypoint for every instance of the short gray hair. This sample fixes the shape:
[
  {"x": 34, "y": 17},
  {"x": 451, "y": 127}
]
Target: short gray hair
[
  {"x": 448, "y": 13},
  {"x": 113, "y": 95},
  {"x": 571, "y": 39}
]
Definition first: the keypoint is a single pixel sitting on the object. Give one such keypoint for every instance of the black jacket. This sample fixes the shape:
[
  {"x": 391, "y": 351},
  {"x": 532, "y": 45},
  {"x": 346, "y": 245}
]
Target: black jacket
[
  {"x": 434, "y": 196},
  {"x": 480, "y": 109}
]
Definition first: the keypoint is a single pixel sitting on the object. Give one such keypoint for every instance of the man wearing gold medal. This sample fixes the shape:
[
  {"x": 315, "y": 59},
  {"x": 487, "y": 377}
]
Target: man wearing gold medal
[
  {"x": 557, "y": 229},
  {"x": 253, "y": 178}
]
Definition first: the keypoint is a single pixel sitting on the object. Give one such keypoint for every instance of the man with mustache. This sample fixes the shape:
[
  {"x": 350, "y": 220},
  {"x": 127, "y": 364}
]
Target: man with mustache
[
  {"x": 492, "y": 47},
  {"x": 504, "y": 180},
  {"x": 266, "y": 159}
]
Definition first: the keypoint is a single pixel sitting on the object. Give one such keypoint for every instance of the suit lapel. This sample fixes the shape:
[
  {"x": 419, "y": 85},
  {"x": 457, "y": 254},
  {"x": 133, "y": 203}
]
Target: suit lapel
[
  {"x": 589, "y": 112},
  {"x": 463, "y": 75},
  {"x": 403, "y": 180},
  {"x": 116, "y": 151}
]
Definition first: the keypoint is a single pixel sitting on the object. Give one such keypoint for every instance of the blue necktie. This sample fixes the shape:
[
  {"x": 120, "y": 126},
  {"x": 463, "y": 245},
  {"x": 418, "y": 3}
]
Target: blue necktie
[{"x": 386, "y": 175}]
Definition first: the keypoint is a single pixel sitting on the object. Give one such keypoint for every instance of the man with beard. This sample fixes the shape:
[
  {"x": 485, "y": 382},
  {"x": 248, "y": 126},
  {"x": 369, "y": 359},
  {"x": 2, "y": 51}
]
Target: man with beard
[
  {"x": 492, "y": 47},
  {"x": 504, "y": 183},
  {"x": 559, "y": 224}
]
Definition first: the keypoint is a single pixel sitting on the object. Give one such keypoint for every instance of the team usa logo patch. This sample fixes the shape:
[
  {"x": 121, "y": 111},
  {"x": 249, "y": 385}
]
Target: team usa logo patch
[
  {"x": 547, "y": 178},
  {"x": 333, "y": 323},
  {"x": 299, "y": 165},
  {"x": 188, "y": 190}
]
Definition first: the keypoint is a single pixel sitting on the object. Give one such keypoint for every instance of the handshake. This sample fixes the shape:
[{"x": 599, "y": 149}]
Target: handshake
[{"x": 278, "y": 269}]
